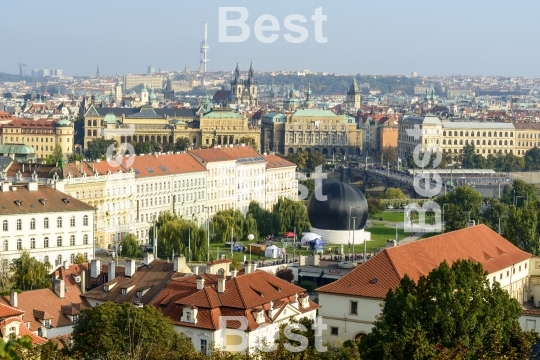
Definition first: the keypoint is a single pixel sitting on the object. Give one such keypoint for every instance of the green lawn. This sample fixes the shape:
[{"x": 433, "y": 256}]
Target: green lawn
[{"x": 379, "y": 234}]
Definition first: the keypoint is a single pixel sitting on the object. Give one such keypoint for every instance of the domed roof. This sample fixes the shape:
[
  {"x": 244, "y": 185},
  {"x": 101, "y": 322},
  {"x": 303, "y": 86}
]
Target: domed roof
[
  {"x": 333, "y": 214},
  {"x": 178, "y": 122},
  {"x": 63, "y": 122},
  {"x": 110, "y": 119},
  {"x": 19, "y": 149}
]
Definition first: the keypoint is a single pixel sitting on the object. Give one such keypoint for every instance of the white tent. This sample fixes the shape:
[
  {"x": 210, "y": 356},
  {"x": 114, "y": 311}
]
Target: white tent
[
  {"x": 308, "y": 237},
  {"x": 272, "y": 252}
]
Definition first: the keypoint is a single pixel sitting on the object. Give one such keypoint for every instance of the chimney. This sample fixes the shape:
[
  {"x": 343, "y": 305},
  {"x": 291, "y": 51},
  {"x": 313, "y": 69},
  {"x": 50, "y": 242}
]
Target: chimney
[
  {"x": 32, "y": 186},
  {"x": 66, "y": 265},
  {"x": 196, "y": 270},
  {"x": 221, "y": 284},
  {"x": 5, "y": 186},
  {"x": 112, "y": 271},
  {"x": 148, "y": 258},
  {"x": 175, "y": 264},
  {"x": 234, "y": 272},
  {"x": 13, "y": 300},
  {"x": 200, "y": 283},
  {"x": 130, "y": 268},
  {"x": 253, "y": 266},
  {"x": 60, "y": 288},
  {"x": 247, "y": 267},
  {"x": 83, "y": 282},
  {"x": 95, "y": 268}
]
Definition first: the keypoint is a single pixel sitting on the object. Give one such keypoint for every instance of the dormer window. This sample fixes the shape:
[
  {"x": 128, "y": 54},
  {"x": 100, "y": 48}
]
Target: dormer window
[
  {"x": 188, "y": 316},
  {"x": 139, "y": 294},
  {"x": 75, "y": 318},
  {"x": 47, "y": 323}
]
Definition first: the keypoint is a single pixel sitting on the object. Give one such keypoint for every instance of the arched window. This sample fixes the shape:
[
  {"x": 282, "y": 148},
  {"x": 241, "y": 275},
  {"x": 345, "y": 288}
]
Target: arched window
[
  {"x": 461, "y": 133},
  {"x": 500, "y": 142},
  {"x": 506, "y": 134},
  {"x": 484, "y": 133},
  {"x": 59, "y": 222},
  {"x": 477, "y": 142},
  {"x": 444, "y": 143},
  {"x": 32, "y": 224},
  {"x": 466, "y": 133},
  {"x": 46, "y": 242},
  {"x": 19, "y": 224},
  {"x": 444, "y": 133},
  {"x": 72, "y": 221},
  {"x": 489, "y": 134},
  {"x": 72, "y": 240},
  {"x": 505, "y": 142},
  {"x": 511, "y": 133},
  {"x": 5, "y": 245},
  {"x": 46, "y": 260},
  {"x": 72, "y": 259},
  {"x": 478, "y": 133},
  {"x": 46, "y": 223},
  {"x": 455, "y": 133},
  {"x": 489, "y": 142},
  {"x": 466, "y": 142},
  {"x": 59, "y": 241},
  {"x": 85, "y": 239},
  {"x": 511, "y": 142},
  {"x": 19, "y": 244},
  {"x": 461, "y": 142},
  {"x": 86, "y": 256},
  {"x": 5, "y": 225},
  {"x": 455, "y": 142},
  {"x": 32, "y": 243},
  {"x": 59, "y": 260},
  {"x": 85, "y": 220},
  {"x": 89, "y": 122}
]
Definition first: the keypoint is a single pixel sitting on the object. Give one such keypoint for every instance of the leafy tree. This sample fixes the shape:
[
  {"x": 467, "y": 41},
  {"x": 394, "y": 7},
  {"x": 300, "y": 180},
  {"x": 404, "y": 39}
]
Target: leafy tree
[
  {"x": 146, "y": 148},
  {"x": 374, "y": 206},
  {"x": 264, "y": 218},
  {"x": 521, "y": 228},
  {"x": 248, "y": 141},
  {"x": 162, "y": 219},
  {"x": 228, "y": 223},
  {"x": 410, "y": 162},
  {"x": 97, "y": 148},
  {"x": 250, "y": 226},
  {"x": 309, "y": 184},
  {"x": 532, "y": 159},
  {"x": 182, "y": 144},
  {"x": 315, "y": 159},
  {"x": 14, "y": 349},
  {"x": 47, "y": 351},
  {"x": 309, "y": 285},
  {"x": 300, "y": 159},
  {"x": 494, "y": 211},
  {"x": 461, "y": 201},
  {"x": 123, "y": 331},
  {"x": 57, "y": 156},
  {"x": 519, "y": 194},
  {"x": 130, "y": 247},
  {"x": 176, "y": 235},
  {"x": 285, "y": 273},
  {"x": 29, "y": 273},
  {"x": 79, "y": 259},
  {"x": 289, "y": 215},
  {"x": 389, "y": 155},
  {"x": 453, "y": 310},
  {"x": 394, "y": 193}
]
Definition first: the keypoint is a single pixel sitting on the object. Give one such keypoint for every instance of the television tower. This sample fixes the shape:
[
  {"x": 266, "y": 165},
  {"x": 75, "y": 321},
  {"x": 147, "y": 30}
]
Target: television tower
[{"x": 204, "y": 48}]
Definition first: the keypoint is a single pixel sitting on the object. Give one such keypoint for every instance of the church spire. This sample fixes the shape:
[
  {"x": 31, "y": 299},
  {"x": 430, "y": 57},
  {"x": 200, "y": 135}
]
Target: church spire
[{"x": 97, "y": 72}]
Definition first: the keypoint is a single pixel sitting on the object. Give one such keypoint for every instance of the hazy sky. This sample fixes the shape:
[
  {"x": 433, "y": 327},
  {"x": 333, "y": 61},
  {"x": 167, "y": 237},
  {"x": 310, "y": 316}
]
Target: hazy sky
[{"x": 475, "y": 37}]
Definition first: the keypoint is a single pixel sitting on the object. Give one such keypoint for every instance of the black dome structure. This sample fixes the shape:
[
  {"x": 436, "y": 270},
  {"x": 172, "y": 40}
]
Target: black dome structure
[{"x": 333, "y": 214}]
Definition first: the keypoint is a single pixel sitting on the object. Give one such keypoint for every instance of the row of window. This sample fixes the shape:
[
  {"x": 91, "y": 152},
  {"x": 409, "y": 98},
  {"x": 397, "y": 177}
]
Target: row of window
[
  {"x": 46, "y": 243},
  {"x": 484, "y": 134},
  {"x": 478, "y": 142},
  {"x": 508, "y": 272},
  {"x": 59, "y": 223}
]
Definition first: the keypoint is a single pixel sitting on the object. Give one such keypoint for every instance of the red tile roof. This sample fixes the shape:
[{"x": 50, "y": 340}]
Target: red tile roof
[
  {"x": 243, "y": 296},
  {"x": 274, "y": 161},
  {"x": 149, "y": 165},
  {"x": 478, "y": 243},
  {"x": 181, "y": 163}
]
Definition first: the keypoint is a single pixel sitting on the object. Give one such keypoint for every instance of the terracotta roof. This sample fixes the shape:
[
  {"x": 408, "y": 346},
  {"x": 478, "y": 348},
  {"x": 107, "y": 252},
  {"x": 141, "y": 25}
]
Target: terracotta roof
[
  {"x": 243, "y": 296},
  {"x": 24, "y": 201},
  {"x": 384, "y": 271},
  {"x": 181, "y": 163},
  {"x": 23, "y": 330},
  {"x": 152, "y": 278},
  {"x": 211, "y": 155},
  {"x": 8, "y": 311},
  {"x": 45, "y": 304},
  {"x": 274, "y": 161},
  {"x": 149, "y": 165}
]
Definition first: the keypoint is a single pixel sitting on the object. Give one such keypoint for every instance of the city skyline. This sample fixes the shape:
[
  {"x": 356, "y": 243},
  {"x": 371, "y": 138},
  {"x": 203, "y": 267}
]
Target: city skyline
[{"x": 392, "y": 38}]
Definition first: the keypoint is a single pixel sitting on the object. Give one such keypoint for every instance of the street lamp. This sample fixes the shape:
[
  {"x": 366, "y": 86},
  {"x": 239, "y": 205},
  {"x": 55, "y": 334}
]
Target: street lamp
[
  {"x": 443, "y": 223},
  {"x": 250, "y": 238}
]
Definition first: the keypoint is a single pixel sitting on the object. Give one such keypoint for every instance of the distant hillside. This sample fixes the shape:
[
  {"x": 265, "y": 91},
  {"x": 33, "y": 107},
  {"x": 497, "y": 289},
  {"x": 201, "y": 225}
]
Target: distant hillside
[
  {"x": 339, "y": 84},
  {"x": 14, "y": 77}
]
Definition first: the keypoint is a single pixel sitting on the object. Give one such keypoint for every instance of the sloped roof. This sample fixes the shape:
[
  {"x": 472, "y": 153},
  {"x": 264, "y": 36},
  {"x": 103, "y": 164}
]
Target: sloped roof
[
  {"x": 181, "y": 163},
  {"x": 274, "y": 161},
  {"x": 30, "y": 201},
  {"x": 243, "y": 296},
  {"x": 478, "y": 243}
]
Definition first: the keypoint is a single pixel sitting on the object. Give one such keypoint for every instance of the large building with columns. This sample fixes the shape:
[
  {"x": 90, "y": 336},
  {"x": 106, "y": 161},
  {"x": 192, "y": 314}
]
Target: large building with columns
[{"x": 203, "y": 127}]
